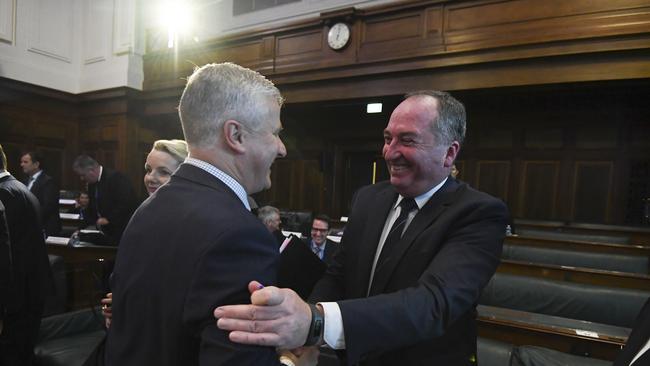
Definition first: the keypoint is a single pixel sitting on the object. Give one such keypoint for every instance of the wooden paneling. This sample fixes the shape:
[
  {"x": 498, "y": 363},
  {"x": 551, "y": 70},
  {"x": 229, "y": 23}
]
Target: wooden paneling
[
  {"x": 592, "y": 191},
  {"x": 493, "y": 177},
  {"x": 538, "y": 189},
  {"x": 427, "y": 36},
  {"x": 413, "y": 33},
  {"x": 485, "y": 24}
]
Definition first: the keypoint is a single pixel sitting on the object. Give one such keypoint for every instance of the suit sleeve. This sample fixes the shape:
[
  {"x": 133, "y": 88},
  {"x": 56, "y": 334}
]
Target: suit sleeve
[
  {"x": 123, "y": 202},
  {"x": 50, "y": 204},
  {"x": 5, "y": 262},
  {"x": 448, "y": 288},
  {"x": 221, "y": 278}
]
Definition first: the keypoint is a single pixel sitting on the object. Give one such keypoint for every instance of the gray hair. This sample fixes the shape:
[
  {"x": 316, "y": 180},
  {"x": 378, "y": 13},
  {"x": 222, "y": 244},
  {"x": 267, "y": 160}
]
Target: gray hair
[
  {"x": 83, "y": 163},
  {"x": 265, "y": 213},
  {"x": 216, "y": 93},
  {"x": 450, "y": 125}
]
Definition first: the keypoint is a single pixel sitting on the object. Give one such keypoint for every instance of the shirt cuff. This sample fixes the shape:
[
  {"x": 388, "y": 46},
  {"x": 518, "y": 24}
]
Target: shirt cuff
[{"x": 333, "y": 333}]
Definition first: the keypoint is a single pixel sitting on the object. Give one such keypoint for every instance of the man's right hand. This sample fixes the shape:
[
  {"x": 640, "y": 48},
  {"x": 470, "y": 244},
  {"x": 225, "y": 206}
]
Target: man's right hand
[{"x": 276, "y": 317}]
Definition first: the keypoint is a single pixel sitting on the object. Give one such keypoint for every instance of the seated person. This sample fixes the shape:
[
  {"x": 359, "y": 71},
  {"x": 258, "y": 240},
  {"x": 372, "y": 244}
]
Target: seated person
[
  {"x": 270, "y": 217},
  {"x": 318, "y": 242},
  {"x": 81, "y": 204}
]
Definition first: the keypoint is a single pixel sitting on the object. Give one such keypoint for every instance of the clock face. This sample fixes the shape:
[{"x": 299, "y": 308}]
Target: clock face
[{"x": 338, "y": 36}]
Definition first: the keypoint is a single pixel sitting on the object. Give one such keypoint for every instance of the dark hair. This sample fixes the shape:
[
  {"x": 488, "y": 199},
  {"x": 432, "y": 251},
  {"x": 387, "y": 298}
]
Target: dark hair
[
  {"x": 35, "y": 156},
  {"x": 83, "y": 163},
  {"x": 3, "y": 159},
  {"x": 324, "y": 218},
  {"x": 450, "y": 125}
]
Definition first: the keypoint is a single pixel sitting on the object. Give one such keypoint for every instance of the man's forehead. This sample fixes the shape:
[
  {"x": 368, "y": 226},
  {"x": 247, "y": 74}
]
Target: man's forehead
[{"x": 413, "y": 113}]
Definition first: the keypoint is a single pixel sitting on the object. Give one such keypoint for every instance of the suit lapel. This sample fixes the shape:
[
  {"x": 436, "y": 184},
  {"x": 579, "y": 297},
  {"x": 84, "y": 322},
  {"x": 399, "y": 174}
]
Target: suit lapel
[
  {"x": 378, "y": 211},
  {"x": 37, "y": 184},
  {"x": 423, "y": 219}
]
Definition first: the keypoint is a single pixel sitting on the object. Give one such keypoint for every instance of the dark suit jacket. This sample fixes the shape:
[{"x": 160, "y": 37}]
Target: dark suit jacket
[
  {"x": 425, "y": 310},
  {"x": 328, "y": 253},
  {"x": 5, "y": 261},
  {"x": 115, "y": 199},
  {"x": 190, "y": 247},
  {"x": 638, "y": 338},
  {"x": 31, "y": 267},
  {"x": 47, "y": 192}
]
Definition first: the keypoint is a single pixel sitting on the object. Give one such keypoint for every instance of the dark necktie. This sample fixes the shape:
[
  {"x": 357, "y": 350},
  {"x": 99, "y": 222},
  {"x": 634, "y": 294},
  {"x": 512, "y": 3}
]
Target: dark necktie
[{"x": 395, "y": 233}]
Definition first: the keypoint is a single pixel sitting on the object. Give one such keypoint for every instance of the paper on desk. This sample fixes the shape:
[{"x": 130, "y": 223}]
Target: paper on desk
[
  {"x": 57, "y": 240},
  {"x": 69, "y": 216}
]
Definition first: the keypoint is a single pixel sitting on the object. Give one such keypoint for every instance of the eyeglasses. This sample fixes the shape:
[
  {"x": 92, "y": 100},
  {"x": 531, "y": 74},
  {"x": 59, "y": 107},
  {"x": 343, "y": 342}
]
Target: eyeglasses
[{"x": 319, "y": 230}]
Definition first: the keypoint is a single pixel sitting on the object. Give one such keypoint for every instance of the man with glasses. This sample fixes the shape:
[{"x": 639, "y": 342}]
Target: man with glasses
[{"x": 318, "y": 243}]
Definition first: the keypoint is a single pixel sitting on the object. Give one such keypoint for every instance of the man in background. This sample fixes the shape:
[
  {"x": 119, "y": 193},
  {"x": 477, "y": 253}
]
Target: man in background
[
  {"x": 45, "y": 189},
  {"x": 30, "y": 273},
  {"x": 318, "y": 243},
  {"x": 270, "y": 217},
  {"x": 112, "y": 198}
]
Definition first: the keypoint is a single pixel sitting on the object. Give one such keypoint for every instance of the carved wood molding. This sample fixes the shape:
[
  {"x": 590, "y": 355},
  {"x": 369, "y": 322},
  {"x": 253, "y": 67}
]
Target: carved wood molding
[{"x": 424, "y": 35}]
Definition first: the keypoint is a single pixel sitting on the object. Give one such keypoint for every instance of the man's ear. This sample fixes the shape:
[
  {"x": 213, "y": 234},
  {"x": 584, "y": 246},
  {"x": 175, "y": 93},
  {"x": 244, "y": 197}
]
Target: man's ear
[
  {"x": 233, "y": 133},
  {"x": 451, "y": 154}
]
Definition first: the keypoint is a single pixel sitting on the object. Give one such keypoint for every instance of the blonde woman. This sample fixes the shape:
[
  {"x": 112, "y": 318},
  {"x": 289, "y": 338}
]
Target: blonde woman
[{"x": 163, "y": 159}]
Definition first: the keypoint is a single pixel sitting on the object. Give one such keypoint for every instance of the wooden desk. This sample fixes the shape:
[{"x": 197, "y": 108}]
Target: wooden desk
[
  {"x": 576, "y": 274},
  {"x": 583, "y": 246},
  {"x": 565, "y": 335},
  {"x": 635, "y": 235},
  {"x": 87, "y": 269}
]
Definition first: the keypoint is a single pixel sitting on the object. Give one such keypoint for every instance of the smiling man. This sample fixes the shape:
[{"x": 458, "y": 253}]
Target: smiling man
[
  {"x": 194, "y": 244},
  {"x": 415, "y": 255}
]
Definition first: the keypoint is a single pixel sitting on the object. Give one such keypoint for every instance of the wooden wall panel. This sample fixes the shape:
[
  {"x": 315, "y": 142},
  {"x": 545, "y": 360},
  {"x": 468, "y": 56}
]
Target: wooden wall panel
[
  {"x": 538, "y": 190},
  {"x": 412, "y": 33},
  {"x": 42, "y": 120},
  {"x": 592, "y": 191},
  {"x": 308, "y": 50},
  {"x": 475, "y": 25},
  {"x": 493, "y": 177},
  {"x": 426, "y": 36},
  {"x": 297, "y": 185}
]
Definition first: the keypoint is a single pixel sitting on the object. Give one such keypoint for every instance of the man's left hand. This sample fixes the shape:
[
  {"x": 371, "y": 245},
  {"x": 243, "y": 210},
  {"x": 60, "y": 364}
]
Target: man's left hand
[
  {"x": 276, "y": 317},
  {"x": 102, "y": 221}
]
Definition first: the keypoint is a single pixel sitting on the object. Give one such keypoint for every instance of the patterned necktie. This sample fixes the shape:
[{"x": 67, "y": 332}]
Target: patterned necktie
[
  {"x": 317, "y": 250},
  {"x": 395, "y": 234}
]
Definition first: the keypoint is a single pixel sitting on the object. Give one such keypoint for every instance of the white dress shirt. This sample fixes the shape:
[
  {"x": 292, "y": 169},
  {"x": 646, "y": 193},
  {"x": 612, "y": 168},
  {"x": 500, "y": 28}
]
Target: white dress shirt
[
  {"x": 32, "y": 179},
  {"x": 222, "y": 176}
]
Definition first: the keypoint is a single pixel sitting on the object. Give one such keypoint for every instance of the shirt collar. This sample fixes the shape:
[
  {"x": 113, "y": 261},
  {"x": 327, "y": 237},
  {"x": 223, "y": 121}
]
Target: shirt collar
[
  {"x": 101, "y": 170},
  {"x": 222, "y": 176},
  {"x": 422, "y": 199},
  {"x": 36, "y": 175}
]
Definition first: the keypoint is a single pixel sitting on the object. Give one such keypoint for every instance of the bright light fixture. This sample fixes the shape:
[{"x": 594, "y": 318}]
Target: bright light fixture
[
  {"x": 175, "y": 17},
  {"x": 373, "y": 108}
]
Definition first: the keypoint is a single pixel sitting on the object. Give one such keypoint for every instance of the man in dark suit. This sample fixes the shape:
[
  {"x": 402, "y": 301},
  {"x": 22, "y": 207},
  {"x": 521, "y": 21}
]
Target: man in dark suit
[
  {"x": 45, "y": 189},
  {"x": 5, "y": 264},
  {"x": 637, "y": 348},
  {"x": 194, "y": 244},
  {"x": 270, "y": 217},
  {"x": 318, "y": 242},
  {"x": 112, "y": 198},
  {"x": 30, "y": 273},
  {"x": 403, "y": 287}
]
